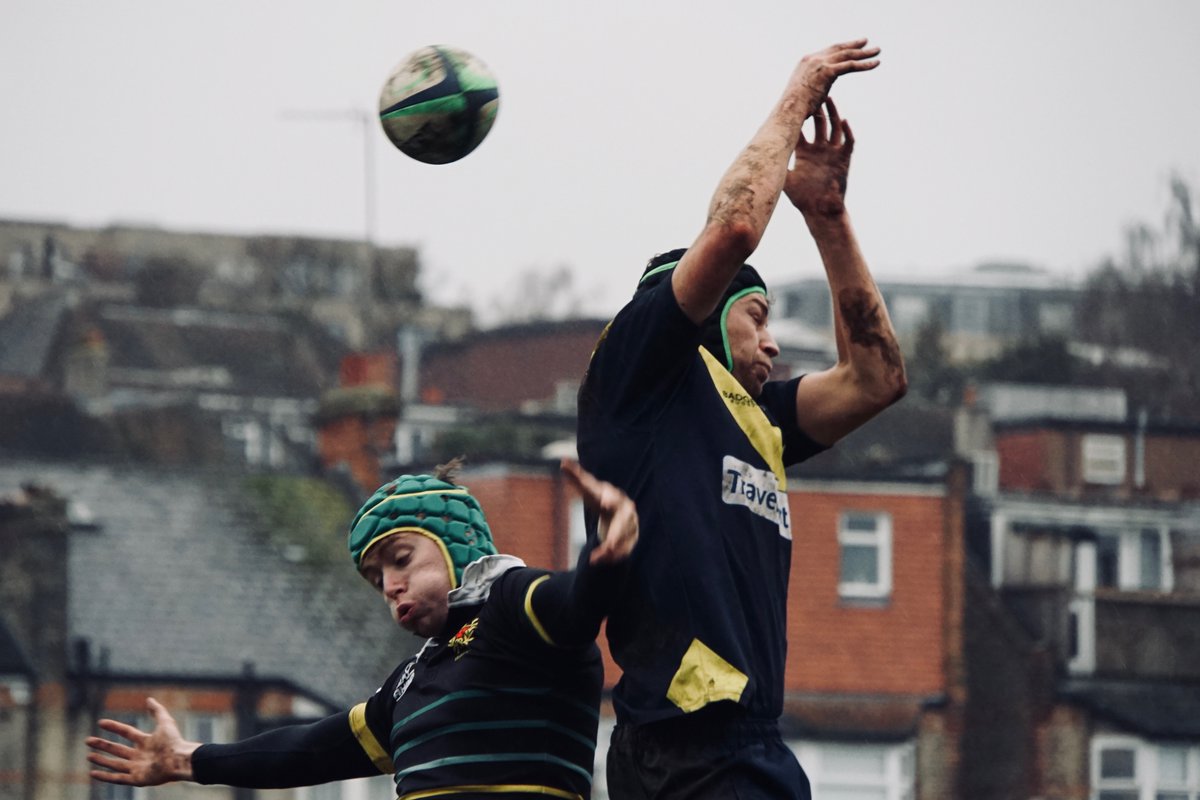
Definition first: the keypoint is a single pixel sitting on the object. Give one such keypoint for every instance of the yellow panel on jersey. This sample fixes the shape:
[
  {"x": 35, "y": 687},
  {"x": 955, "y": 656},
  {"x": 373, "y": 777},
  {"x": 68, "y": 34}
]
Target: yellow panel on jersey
[
  {"x": 449, "y": 791},
  {"x": 766, "y": 438},
  {"x": 367, "y": 740},
  {"x": 704, "y": 677}
]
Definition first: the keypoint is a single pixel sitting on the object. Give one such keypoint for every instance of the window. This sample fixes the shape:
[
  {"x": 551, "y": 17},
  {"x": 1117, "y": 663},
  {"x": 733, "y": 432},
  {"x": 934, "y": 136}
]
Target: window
[
  {"x": 865, "y": 541},
  {"x": 1036, "y": 555},
  {"x": 1134, "y": 560},
  {"x": 1108, "y": 561},
  {"x": 1125, "y": 768},
  {"x": 206, "y": 728},
  {"x": 1150, "y": 563},
  {"x": 986, "y": 474},
  {"x": 908, "y": 312},
  {"x": 576, "y": 531},
  {"x": 1103, "y": 459},
  {"x": 858, "y": 771}
]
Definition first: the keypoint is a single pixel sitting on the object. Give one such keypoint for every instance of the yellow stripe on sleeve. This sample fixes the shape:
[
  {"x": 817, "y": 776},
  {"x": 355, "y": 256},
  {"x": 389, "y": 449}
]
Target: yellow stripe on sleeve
[
  {"x": 367, "y": 740},
  {"x": 537, "y": 623}
]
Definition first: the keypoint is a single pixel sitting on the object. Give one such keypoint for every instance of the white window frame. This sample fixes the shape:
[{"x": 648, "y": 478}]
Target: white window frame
[
  {"x": 986, "y": 473},
  {"x": 897, "y": 780},
  {"x": 1104, "y": 459},
  {"x": 576, "y": 531},
  {"x": 1146, "y": 781},
  {"x": 1129, "y": 557},
  {"x": 218, "y": 725},
  {"x": 881, "y": 540}
]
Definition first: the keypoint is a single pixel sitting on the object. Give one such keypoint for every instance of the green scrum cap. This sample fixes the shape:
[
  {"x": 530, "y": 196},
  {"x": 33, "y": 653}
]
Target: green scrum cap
[{"x": 427, "y": 505}]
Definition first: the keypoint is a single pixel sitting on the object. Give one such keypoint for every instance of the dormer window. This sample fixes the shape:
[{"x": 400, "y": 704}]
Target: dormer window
[{"x": 1103, "y": 459}]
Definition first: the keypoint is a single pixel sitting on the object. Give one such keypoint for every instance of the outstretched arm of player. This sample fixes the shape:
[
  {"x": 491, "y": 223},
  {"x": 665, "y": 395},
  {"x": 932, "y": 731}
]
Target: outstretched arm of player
[
  {"x": 295, "y": 755},
  {"x": 869, "y": 374},
  {"x": 749, "y": 191},
  {"x": 570, "y": 606}
]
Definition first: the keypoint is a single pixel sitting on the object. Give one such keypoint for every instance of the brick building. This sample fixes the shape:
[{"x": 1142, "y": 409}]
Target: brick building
[
  {"x": 120, "y": 582},
  {"x": 1092, "y": 539}
]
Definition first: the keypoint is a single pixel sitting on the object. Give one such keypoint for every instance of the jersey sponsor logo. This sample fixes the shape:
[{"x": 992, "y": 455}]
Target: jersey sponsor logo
[
  {"x": 410, "y": 671},
  {"x": 406, "y": 679},
  {"x": 757, "y": 490},
  {"x": 739, "y": 399},
  {"x": 460, "y": 641}
]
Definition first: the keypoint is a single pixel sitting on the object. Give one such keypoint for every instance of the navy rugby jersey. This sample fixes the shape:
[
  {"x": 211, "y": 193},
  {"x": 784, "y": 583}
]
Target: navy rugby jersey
[
  {"x": 704, "y": 617},
  {"x": 503, "y": 704},
  {"x": 491, "y": 704}
]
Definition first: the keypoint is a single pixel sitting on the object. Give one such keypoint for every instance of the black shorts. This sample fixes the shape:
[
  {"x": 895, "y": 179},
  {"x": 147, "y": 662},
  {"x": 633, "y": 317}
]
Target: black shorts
[{"x": 707, "y": 754}]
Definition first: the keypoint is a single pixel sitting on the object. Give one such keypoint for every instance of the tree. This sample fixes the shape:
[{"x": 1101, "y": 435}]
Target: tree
[
  {"x": 931, "y": 374},
  {"x": 1040, "y": 359},
  {"x": 1148, "y": 300},
  {"x": 538, "y": 295}
]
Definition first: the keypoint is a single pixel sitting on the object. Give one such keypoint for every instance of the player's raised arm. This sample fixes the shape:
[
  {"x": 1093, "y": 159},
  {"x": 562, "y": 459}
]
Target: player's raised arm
[
  {"x": 571, "y": 605},
  {"x": 150, "y": 759},
  {"x": 869, "y": 374},
  {"x": 749, "y": 191}
]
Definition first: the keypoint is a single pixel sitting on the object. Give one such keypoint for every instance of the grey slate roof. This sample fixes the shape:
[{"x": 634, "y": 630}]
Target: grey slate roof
[
  {"x": 28, "y": 333},
  {"x": 1155, "y": 709},
  {"x": 173, "y": 583},
  {"x": 909, "y": 440},
  {"x": 260, "y": 354}
]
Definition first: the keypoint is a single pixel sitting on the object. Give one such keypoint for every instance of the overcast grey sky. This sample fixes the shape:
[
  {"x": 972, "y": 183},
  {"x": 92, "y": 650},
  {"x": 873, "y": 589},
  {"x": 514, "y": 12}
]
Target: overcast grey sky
[{"x": 1028, "y": 131}]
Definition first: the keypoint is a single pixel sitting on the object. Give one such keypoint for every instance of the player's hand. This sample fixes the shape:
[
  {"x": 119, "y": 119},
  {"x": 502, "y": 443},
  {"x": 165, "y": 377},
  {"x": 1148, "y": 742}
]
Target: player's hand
[
  {"x": 816, "y": 72},
  {"x": 618, "y": 528},
  {"x": 816, "y": 183},
  {"x": 149, "y": 759}
]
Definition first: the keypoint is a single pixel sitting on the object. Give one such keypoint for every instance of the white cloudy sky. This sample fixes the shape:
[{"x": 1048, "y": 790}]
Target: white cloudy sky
[{"x": 1028, "y": 131}]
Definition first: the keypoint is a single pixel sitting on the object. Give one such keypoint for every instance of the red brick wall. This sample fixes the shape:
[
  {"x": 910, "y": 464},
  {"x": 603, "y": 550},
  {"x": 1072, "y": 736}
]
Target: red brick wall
[
  {"x": 368, "y": 369},
  {"x": 501, "y": 370},
  {"x": 1171, "y": 467},
  {"x": 894, "y": 646},
  {"x": 1023, "y": 460},
  {"x": 357, "y": 441},
  {"x": 526, "y": 515}
]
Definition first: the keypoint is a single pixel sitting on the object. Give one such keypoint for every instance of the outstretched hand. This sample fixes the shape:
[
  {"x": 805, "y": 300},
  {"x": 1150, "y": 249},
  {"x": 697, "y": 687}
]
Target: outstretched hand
[
  {"x": 149, "y": 759},
  {"x": 816, "y": 72},
  {"x": 618, "y": 528},
  {"x": 816, "y": 183}
]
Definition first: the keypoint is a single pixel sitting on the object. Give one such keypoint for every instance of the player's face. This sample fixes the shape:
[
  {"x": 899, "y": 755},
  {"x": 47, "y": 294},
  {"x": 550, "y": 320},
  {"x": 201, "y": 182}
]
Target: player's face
[
  {"x": 750, "y": 342},
  {"x": 411, "y": 573}
]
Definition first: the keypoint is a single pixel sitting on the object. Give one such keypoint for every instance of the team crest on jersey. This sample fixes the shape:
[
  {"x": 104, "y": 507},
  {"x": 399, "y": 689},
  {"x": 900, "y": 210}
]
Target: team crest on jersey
[
  {"x": 460, "y": 641},
  {"x": 757, "y": 490}
]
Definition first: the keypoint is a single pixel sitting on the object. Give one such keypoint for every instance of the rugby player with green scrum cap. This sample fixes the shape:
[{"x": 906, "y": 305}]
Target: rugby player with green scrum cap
[{"x": 503, "y": 696}]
